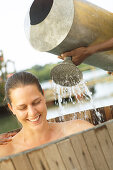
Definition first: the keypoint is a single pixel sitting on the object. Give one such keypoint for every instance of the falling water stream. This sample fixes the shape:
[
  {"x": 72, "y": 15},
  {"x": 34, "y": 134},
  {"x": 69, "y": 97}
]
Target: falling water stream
[{"x": 80, "y": 92}]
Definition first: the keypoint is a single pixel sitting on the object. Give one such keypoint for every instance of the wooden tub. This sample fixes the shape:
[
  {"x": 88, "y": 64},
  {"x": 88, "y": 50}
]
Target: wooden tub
[{"x": 88, "y": 150}]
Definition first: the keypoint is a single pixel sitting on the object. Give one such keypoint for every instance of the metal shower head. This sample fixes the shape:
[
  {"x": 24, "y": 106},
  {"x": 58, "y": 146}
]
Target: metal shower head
[{"x": 66, "y": 73}]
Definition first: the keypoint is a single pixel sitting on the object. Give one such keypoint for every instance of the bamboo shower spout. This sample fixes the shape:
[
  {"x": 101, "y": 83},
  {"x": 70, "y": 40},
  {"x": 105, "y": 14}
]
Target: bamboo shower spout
[{"x": 58, "y": 26}]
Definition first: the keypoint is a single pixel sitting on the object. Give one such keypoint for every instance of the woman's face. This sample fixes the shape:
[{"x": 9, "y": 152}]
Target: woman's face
[{"x": 29, "y": 106}]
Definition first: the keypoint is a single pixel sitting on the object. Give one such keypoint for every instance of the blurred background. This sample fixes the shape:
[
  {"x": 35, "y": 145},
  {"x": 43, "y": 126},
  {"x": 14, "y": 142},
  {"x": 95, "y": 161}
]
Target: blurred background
[{"x": 16, "y": 54}]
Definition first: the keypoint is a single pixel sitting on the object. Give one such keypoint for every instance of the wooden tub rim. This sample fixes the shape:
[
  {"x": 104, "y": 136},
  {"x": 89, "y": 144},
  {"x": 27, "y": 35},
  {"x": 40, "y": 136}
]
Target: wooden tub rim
[{"x": 56, "y": 141}]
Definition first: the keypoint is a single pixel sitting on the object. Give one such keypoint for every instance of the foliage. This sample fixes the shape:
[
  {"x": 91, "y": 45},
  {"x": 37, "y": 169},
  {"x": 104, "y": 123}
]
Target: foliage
[
  {"x": 42, "y": 72},
  {"x": 2, "y": 94},
  {"x": 84, "y": 67}
]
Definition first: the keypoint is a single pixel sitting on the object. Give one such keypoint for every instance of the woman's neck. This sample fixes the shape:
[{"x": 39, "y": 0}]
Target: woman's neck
[{"x": 36, "y": 136}]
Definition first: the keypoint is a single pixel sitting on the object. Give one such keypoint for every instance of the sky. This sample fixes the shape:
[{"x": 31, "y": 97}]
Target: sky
[{"x": 13, "y": 40}]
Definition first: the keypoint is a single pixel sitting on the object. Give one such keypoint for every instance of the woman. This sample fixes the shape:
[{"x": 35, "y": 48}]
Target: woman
[{"x": 26, "y": 100}]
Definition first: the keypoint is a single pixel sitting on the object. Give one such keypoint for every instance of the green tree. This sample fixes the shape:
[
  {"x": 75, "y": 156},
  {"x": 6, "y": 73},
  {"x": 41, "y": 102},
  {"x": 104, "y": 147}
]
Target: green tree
[
  {"x": 42, "y": 72},
  {"x": 2, "y": 93}
]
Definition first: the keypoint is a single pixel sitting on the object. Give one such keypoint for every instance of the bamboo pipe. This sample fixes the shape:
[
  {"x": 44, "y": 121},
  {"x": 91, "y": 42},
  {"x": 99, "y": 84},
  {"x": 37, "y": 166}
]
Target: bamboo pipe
[{"x": 72, "y": 24}]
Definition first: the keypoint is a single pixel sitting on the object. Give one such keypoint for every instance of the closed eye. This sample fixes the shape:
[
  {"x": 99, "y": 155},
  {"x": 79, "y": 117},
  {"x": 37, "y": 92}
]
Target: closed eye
[
  {"x": 23, "y": 108},
  {"x": 36, "y": 102}
]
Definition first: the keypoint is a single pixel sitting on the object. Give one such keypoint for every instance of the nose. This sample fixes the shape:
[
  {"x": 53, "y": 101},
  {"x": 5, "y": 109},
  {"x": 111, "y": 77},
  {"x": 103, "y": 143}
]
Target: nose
[{"x": 32, "y": 111}]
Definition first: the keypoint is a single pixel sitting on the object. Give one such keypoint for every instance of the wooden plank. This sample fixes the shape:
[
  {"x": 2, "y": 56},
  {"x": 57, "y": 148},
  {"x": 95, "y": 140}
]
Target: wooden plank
[
  {"x": 7, "y": 165},
  {"x": 68, "y": 117},
  {"x": 77, "y": 115},
  {"x": 53, "y": 158},
  {"x": 106, "y": 145},
  {"x": 94, "y": 117},
  {"x": 38, "y": 161},
  {"x": 111, "y": 110},
  {"x": 80, "y": 115},
  {"x": 68, "y": 155},
  {"x": 102, "y": 112},
  {"x": 95, "y": 150},
  {"x": 21, "y": 162},
  {"x": 89, "y": 118},
  {"x": 110, "y": 129},
  {"x": 82, "y": 153},
  {"x": 108, "y": 112}
]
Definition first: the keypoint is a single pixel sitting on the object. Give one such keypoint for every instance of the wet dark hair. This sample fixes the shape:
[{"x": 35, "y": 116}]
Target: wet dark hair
[{"x": 20, "y": 79}]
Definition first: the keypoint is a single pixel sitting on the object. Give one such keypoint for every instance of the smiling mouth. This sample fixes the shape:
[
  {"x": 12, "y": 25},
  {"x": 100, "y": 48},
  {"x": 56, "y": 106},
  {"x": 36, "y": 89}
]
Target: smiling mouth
[{"x": 36, "y": 119}]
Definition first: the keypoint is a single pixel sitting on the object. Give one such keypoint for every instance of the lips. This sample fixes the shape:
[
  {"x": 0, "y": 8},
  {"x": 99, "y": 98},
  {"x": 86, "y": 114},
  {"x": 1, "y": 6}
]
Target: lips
[{"x": 35, "y": 119}]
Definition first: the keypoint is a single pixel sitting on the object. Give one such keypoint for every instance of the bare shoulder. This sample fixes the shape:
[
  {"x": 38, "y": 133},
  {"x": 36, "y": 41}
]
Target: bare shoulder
[
  {"x": 5, "y": 150},
  {"x": 83, "y": 123},
  {"x": 75, "y": 126}
]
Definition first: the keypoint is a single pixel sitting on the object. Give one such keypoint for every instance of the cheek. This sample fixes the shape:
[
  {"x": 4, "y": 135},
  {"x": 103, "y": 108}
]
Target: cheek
[
  {"x": 42, "y": 107},
  {"x": 21, "y": 115}
]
